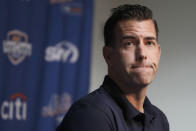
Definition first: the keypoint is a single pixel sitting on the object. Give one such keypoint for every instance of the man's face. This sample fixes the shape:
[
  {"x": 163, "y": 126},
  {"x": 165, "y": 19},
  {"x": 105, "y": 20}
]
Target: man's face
[{"x": 134, "y": 59}]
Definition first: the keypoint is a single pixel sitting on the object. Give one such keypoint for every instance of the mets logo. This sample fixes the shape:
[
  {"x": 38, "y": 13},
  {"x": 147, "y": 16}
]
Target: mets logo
[
  {"x": 60, "y": 1},
  {"x": 72, "y": 8},
  {"x": 16, "y": 46},
  {"x": 64, "y": 51},
  {"x": 57, "y": 106},
  {"x": 69, "y": 7}
]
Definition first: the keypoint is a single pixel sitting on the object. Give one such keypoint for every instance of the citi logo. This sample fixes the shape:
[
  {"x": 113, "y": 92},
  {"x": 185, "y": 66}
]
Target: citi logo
[
  {"x": 15, "y": 108},
  {"x": 64, "y": 51}
]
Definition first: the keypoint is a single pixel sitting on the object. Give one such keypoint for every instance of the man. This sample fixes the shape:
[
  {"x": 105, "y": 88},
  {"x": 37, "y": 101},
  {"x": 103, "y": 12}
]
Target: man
[{"x": 132, "y": 54}]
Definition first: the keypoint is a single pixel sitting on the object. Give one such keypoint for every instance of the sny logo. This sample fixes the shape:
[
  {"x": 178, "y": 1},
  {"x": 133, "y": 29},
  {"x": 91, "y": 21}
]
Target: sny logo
[
  {"x": 64, "y": 51},
  {"x": 16, "y": 46}
]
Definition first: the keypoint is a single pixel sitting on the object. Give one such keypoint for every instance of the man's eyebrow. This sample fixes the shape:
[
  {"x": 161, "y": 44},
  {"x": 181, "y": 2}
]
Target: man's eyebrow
[
  {"x": 151, "y": 38},
  {"x": 134, "y": 37},
  {"x": 129, "y": 37}
]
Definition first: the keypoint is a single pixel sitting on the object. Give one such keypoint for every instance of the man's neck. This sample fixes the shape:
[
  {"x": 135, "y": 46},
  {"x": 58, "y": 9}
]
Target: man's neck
[
  {"x": 134, "y": 94},
  {"x": 137, "y": 99}
]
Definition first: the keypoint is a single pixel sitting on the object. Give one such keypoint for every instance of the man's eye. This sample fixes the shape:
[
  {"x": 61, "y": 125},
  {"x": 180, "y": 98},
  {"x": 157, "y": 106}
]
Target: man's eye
[
  {"x": 129, "y": 43},
  {"x": 150, "y": 43}
]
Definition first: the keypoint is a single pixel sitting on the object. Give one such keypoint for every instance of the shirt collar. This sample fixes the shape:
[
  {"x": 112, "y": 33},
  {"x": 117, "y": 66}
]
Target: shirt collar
[{"x": 129, "y": 111}]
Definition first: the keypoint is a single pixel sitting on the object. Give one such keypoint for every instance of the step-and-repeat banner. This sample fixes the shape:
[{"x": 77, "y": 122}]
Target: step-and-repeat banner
[{"x": 44, "y": 61}]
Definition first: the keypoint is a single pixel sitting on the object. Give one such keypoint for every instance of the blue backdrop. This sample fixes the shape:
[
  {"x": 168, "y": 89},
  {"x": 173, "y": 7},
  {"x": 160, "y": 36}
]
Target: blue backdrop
[{"x": 44, "y": 61}]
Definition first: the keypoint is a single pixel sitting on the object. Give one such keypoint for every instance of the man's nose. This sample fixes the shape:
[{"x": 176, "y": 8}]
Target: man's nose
[{"x": 140, "y": 52}]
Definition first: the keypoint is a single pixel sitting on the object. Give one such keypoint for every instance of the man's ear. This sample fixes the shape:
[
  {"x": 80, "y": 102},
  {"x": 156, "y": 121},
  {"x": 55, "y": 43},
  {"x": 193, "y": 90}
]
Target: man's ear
[
  {"x": 107, "y": 54},
  {"x": 159, "y": 48}
]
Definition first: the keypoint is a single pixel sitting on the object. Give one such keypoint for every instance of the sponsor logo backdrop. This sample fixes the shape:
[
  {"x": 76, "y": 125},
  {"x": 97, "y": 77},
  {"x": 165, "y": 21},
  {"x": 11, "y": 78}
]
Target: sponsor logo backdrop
[{"x": 44, "y": 61}]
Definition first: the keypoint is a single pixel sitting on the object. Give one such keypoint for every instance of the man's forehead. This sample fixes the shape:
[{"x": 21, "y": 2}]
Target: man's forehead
[{"x": 134, "y": 27}]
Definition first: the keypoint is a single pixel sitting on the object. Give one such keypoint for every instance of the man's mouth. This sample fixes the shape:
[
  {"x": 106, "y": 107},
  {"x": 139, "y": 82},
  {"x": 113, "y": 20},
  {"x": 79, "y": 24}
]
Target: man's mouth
[{"x": 143, "y": 67}]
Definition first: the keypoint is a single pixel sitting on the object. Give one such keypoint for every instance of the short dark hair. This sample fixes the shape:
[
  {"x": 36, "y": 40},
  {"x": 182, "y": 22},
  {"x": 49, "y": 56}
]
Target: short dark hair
[{"x": 123, "y": 12}]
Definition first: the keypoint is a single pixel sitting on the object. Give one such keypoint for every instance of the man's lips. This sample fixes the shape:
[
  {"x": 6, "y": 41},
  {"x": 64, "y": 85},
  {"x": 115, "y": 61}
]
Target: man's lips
[{"x": 143, "y": 67}]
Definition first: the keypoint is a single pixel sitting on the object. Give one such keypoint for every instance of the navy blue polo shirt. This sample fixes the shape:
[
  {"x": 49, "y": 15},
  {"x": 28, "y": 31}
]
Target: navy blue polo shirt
[{"x": 107, "y": 109}]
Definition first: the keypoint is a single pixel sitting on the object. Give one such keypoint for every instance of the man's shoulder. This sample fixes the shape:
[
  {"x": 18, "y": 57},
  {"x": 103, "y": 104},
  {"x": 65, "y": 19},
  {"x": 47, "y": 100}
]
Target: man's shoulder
[
  {"x": 161, "y": 116},
  {"x": 95, "y": 106},
  {"x": 98, "y": 99},
  {"x": 159, "y": 112}
]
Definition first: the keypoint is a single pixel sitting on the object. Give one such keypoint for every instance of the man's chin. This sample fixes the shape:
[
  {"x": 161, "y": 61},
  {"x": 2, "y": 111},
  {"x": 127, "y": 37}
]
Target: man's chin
[
  {"x": 141, "y": 83},
  {"x": 143, "y": 80}
]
